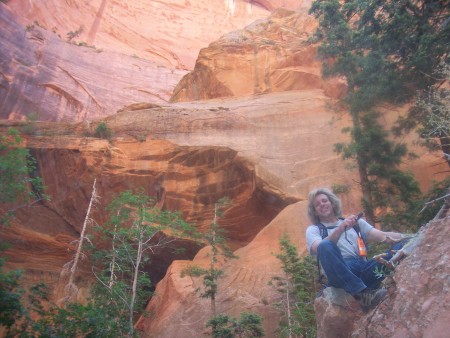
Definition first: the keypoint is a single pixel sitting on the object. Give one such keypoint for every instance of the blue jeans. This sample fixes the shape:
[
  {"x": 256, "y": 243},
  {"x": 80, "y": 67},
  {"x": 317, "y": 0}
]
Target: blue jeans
[{"x": 351, "y": 274}]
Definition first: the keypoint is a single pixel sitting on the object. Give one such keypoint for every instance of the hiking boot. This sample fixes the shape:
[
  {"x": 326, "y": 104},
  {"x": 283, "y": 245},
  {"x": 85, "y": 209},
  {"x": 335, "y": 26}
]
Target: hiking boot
[{"x": 368, "y": 299}]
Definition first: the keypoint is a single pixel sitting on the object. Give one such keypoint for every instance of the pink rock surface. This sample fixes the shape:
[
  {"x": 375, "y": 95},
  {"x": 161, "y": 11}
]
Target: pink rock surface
[{"x": 260, "y": 132}]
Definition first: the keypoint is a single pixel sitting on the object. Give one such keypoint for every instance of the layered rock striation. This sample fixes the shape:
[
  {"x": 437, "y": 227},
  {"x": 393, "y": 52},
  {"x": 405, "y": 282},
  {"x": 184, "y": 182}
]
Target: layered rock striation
[
  {"x": 46, "y": 78},
  {"x": 270, "y": 55},
  {"x": 251, "y": 122},
  {"x": 169, "y": 33}
]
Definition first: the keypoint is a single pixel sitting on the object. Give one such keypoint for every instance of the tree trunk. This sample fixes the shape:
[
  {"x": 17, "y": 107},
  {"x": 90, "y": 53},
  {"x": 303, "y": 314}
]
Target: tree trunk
[
  {"x": 366, "y": 192},
  {"x": 288, "y": 307},
  {"x": 213, "y": 258},
  {"x": 363, "y": 177},
  {"x": 73, "y": 269},
  {"x": 135, "y": 279}
]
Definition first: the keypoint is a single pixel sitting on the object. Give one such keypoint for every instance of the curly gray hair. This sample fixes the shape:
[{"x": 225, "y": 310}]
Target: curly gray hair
[{"x": 335, "y": 202}]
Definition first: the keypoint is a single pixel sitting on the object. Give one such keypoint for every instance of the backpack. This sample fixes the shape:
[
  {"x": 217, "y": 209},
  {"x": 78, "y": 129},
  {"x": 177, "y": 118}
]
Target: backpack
[
  {"x": 324, "y": 233},
  {"x": 324, "y": 230}
]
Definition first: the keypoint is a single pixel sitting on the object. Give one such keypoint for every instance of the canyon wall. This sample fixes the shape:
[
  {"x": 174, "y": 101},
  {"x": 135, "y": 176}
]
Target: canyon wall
[
  {"x": 169, "y": 33},
  {"x": 46, "y": 78},
  {"x": 250, "y": 119}
]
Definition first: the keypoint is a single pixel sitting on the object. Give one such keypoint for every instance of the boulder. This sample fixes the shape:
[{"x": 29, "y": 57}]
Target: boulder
[{"x": 416, "y": 303}]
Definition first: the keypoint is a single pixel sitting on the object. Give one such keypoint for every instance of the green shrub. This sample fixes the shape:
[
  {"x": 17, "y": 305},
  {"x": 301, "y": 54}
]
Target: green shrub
[
  {"x": 103, "y": 131},
  {"x": 247, "y": 325},
  {"x": 297, "y": 289}
]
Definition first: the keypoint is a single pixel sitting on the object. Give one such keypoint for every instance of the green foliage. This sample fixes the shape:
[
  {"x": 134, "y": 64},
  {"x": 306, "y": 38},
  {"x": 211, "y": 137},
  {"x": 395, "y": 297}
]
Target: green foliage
[
  {"x": 141, "y": 137},
  {"x": 17, "y": 188},
  {"x": 29, "y": 126},
  {"x": 382, "y": 272},
  {"x": 430, "y": 115},
  {"x": 135, "y": 232},
  {"x": 11, "y": 308},
  {"x": 341, "y": 188},
  {"x": 122, "y": 287},
  {"x": 210, "y": 279},
  {"x": 103, "y": 131},
  {"x": 432, "y": 201},
  {"x": 17, "y": 166},
  {"x": 434, "y": 104},
  {"x": 110, "y": 304},
  {"x": 38, "y": 24},
  {"x": 73, "y": 34},
  {"x": 298, "y": 291},
  {"x": 18, "y": 306},
  {"x": 247, "y": 325},
  {"x": 193, "y": 271},
  {"x": 75, "y": 320},
  {"x": 214, "y": 237},
  {"x": 386, "y": 51},
  {"x": 419, "y": 211},
  {"x": 392, "y": 191}
]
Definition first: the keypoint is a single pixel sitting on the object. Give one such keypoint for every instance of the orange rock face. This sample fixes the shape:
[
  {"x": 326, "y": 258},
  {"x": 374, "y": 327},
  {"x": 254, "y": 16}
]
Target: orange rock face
[
  {"x": 80, "y": 61},
  {"x": 262, "y": 152},
  {"x": 250, "y": 122},
  {"x": 271, "y": 55},
  {"x": 48, "y": 79},
  {"x": 170, "y": 33},
  {"x": 183, "y": 313}
]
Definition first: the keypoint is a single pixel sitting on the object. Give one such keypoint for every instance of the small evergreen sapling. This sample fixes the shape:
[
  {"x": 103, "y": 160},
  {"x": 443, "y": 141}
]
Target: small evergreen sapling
[
  {"x": 18, "y": 187},
  {"x": 136, "y": 230},
  {"x": 297, "y": 289},
  {"x": 215, "y": 238},
  {"x": 247, "y": 325}
]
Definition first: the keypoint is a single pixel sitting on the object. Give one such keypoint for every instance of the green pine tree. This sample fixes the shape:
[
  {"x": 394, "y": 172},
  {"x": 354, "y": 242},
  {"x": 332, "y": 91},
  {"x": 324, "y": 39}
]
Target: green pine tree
[
  {"x": 216, "y": 239},
  {"x": 19, "y": 187},
  {"x": 11, "y": 308},
  {"x": 386, "y": 51},
  {"x": 247, "y": 325},
  {"x": 135, "y": 231},
  {"x": 430, "y": 114},
  {"x": 297, "y": 292}
]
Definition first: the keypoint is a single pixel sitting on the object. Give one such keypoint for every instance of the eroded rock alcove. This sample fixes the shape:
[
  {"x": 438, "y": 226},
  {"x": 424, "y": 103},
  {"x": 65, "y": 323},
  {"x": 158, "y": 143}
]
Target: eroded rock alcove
[
  {"x": 181, "y": 178},
  {"x": 249, "y": 118}
]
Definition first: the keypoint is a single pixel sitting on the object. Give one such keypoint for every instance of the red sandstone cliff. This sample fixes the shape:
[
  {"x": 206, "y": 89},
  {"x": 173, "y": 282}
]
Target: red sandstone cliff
[
  {"x": 260, "y": 133},
  {"x": 267, "y": 56}
]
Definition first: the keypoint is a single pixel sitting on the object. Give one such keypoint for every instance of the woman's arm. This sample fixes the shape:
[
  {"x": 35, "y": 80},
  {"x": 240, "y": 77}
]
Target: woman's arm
[{"x": 378, "y": 236}]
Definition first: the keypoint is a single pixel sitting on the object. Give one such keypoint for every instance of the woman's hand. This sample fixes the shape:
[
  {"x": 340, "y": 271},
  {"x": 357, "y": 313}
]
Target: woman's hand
[{"x": 349, "y": 222}]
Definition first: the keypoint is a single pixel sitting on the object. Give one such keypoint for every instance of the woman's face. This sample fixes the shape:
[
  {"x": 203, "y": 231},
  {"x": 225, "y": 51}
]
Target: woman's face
[{"x": 323, "y": 207}]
